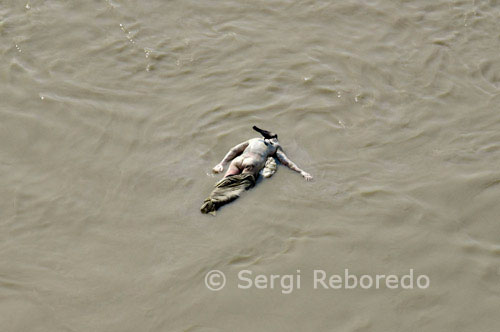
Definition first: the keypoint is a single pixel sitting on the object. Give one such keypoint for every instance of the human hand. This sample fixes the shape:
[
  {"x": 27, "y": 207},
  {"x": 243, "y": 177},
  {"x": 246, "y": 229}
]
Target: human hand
[
  {"x": 218, "y": 168},
  {"x": 306, "y": 176}
]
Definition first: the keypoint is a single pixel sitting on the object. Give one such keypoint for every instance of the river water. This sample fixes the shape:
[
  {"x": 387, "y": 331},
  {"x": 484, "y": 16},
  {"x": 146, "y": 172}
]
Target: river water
[{"x": 113, "y": 113}]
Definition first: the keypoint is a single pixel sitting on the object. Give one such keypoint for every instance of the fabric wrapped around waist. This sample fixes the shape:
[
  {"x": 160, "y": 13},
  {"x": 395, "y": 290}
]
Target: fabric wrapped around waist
[{"x": 227, "y": 190}]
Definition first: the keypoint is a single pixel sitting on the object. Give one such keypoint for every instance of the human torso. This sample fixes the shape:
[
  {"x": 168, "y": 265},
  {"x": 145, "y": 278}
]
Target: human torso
[{"x": 255, "y": 155}]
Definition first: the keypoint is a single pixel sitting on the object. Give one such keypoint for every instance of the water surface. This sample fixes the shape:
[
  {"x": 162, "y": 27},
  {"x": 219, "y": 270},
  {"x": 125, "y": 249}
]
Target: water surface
[{"x": 113, "y": 113}]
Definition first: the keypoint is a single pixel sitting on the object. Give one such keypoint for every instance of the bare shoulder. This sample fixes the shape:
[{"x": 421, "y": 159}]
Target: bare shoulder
[{"x": 255, "y": 141}]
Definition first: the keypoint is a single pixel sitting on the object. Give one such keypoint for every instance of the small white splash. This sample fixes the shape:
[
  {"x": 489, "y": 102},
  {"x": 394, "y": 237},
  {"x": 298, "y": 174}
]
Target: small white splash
[
  {"x": 28, "y": 6},
  {"x": 339, "y": 95},
  {"x": 111, "y": 4},
  {"x": 18, "y": 48},
  {"x": 307, "y": 79},
  {"x": 42, "y": 97}
]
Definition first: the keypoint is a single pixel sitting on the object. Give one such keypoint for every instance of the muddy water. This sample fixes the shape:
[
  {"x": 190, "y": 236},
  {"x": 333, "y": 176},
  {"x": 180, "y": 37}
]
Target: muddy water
[{"x": 113, "y": 113}]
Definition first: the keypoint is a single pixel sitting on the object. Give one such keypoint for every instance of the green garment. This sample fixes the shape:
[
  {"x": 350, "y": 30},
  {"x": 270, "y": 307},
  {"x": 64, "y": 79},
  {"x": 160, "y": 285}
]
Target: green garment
[{"x": 227, "y": 190}]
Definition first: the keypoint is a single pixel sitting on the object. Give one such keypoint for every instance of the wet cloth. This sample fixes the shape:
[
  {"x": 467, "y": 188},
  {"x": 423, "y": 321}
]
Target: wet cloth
[
  {"x": 270, "y": 168},
  {"x": 227, "y": 190}
]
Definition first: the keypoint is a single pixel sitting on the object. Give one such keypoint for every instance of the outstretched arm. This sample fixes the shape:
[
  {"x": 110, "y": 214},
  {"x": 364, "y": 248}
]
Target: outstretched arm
[
  {"x": 233, "y": 153},
  {"x": 282, "y": 157}
]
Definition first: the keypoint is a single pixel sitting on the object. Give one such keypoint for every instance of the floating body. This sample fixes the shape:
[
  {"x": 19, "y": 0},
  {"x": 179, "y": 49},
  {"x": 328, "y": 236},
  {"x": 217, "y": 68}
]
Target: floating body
[{"x": 250, "y": 157}]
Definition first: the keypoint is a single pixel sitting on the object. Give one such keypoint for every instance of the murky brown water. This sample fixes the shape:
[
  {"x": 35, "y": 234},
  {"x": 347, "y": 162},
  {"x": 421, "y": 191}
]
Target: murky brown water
[{"x": 113, "y": 113}]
